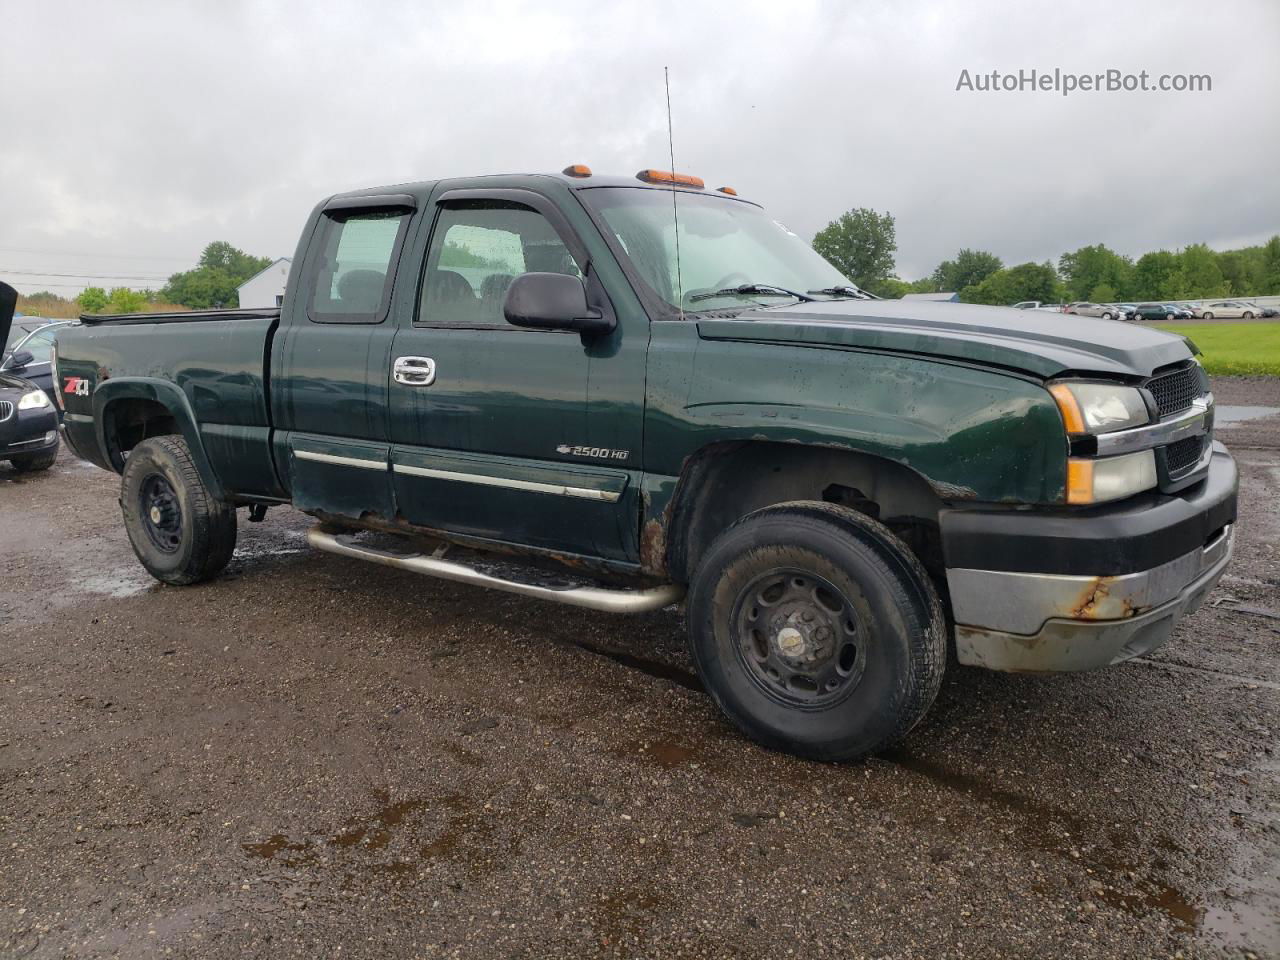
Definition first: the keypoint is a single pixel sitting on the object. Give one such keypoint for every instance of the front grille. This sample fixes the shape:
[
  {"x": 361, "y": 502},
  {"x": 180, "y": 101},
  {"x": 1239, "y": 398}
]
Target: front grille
[
  {"x": 6, "y": 409},
  {"x": 1174, "y": 391},
  {"x": 1182, "y": 455}
]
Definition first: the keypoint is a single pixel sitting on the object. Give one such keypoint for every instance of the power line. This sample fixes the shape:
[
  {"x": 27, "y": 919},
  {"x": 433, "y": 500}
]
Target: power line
[
  {"x": 104, "y": 256},
  {"x": 81, "y": 276},
  {"x": 44, "y": 286},
  {"x": 38, "y": 285}
]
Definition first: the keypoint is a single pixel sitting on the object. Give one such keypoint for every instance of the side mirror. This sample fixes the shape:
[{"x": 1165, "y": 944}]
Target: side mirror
[
  {"x": 552, "y": 301},
  {"x": 19, "y": 360}
]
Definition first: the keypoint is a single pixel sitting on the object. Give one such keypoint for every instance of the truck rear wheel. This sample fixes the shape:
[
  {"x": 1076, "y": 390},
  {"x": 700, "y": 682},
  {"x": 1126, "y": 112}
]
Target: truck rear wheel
[
  {"x": 817, "y": 631},
  {"x": 179, "y": 532}
]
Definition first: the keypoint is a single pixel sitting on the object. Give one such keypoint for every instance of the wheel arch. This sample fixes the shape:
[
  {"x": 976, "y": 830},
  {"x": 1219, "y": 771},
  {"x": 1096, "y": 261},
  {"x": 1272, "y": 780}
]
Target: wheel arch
[
  {"x": 128, "y": 410},
  {"x": 723, "y": 482}
]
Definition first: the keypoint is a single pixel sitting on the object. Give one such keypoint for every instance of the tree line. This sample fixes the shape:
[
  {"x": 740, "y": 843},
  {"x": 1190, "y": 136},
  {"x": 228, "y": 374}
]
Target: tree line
[
  {"x": 861, "y": 244},
  {"x": 212, "y": 282}
]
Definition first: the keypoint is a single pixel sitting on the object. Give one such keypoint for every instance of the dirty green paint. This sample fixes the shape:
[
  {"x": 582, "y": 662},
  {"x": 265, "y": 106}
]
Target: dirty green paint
[{"x": 957, "y": 397}]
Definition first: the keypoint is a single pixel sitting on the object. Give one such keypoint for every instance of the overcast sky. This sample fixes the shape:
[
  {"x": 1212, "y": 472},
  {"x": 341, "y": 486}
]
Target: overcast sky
[{"x": 134, "y": 134}]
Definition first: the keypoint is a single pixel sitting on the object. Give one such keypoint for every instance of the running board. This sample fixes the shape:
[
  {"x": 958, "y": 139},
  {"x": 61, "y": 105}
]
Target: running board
[{"x": 576, "y": 594}]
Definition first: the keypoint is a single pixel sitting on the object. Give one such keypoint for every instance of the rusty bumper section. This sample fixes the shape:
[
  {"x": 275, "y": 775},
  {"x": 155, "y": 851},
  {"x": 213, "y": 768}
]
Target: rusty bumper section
[{"x": 1026, "y": 622}]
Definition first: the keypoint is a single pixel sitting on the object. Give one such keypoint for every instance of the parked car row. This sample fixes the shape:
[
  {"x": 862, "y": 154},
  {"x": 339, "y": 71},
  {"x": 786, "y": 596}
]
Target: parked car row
[
  {"x": 29, "y": 415},
  {"x": 1180, "y": 310}
]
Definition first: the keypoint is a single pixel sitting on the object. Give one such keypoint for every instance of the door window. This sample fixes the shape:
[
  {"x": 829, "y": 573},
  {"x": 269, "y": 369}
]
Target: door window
[
  {"x": 39, "y": 344},
  {"x": 477, "y": 249},
  {"x": 353, "y": 273}
]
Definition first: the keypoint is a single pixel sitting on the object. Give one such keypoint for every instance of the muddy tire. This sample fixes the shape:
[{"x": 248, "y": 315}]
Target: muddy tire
[
  {"x": 817, "y": 631},
  {"x": 32, "y": 462},
  {"x": 179, "y": 532}
]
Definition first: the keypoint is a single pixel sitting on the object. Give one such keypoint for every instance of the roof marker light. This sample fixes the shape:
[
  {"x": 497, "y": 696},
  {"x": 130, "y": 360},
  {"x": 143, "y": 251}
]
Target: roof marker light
[
  {"x": 666, "y": 176},
  {"x": 577, "y": 170},
  {"x": 729, "y": 190}
]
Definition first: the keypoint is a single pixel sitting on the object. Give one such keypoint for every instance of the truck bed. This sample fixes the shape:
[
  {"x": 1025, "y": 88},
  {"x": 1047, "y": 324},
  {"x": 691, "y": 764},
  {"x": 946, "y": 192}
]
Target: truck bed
[{"x": 217, "y": 359}]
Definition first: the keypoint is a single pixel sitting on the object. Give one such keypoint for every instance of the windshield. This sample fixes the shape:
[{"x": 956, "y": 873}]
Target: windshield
[{"x": 723, "y": 244}]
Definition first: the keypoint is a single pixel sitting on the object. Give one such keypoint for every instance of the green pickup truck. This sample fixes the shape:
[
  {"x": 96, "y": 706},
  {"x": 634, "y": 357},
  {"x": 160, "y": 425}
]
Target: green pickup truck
[{"x": 613, "y": 392}]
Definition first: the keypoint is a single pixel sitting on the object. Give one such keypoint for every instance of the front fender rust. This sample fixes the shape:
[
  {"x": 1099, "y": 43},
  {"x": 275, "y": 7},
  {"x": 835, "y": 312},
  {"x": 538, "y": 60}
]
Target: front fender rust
[
  {"x": 951, "y": 491},
  {"x": 653, "y": 540}
]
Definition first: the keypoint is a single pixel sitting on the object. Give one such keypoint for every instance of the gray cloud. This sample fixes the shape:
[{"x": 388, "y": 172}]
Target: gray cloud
[{"x": 136, "y": 133}]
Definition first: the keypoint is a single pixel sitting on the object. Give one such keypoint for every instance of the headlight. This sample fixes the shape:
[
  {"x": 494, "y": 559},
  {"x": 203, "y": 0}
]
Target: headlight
[
  {"x": 1099, "y": 407},
  {"x": 1110, "y": 478},
  {"x": 35, "y": 400}
]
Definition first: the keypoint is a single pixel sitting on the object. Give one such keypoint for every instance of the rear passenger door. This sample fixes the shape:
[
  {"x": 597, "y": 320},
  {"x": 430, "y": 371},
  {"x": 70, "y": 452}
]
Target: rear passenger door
[
  {"x": 494, "y": 432},
  {"x": 331, "y": 358}
]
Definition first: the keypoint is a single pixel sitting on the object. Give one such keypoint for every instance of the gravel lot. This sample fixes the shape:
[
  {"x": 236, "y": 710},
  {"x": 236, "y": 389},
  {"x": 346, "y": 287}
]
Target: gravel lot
[{"x": 315, "y": 757}]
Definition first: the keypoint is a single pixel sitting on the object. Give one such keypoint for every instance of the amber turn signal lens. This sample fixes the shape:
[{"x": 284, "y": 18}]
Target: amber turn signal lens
[
  {"x": 1079, "y": 481},
  {"x": 1068, "y": 407},
  {"x": 577, "y": 170},
  {"x": 729, "y": 190},
  {"x": 666, "y": 176}
]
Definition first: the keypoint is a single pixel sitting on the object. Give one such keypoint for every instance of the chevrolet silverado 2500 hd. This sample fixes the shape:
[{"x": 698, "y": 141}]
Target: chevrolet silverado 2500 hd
[{"x": 466, "y": 371}]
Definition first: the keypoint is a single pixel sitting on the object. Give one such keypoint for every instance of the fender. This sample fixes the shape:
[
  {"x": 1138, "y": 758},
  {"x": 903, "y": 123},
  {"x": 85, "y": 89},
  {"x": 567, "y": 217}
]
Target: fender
[{"x": 166, "y": 394}]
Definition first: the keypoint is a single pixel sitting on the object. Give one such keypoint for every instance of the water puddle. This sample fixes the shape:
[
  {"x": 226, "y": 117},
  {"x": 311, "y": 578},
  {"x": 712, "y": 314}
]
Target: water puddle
[
  {"x": 1122, "y": 884},
  {"x": 1226, "y": 415},
  {"x": 115, "y": 585},
  {"x": 1251, "y": 683}
]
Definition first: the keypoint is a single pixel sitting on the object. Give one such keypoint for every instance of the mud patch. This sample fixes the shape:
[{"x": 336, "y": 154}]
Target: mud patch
[{"x": 1118, "y": 879}]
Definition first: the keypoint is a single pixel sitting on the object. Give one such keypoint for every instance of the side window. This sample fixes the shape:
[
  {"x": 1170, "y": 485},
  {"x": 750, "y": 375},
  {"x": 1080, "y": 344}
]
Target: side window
[
  {"x": 39, "y": 343},
  {"x": 477, "y": 249},
  {"x": 353, "y": 271}
]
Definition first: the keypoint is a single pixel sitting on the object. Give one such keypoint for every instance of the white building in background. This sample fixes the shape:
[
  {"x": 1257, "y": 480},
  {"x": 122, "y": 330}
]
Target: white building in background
[
  {"x": 266, "y": 289},
  {"x": 948, "y": 297}
]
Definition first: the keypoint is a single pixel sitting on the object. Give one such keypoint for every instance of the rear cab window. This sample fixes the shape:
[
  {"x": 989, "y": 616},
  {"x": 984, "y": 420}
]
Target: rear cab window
[{"x": 354, "y": 268}]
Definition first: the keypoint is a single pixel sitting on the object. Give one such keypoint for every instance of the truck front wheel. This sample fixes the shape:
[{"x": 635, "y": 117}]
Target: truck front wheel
[
  {"x": 817, "y": 631},
  {"x": 179, "y": 532}
]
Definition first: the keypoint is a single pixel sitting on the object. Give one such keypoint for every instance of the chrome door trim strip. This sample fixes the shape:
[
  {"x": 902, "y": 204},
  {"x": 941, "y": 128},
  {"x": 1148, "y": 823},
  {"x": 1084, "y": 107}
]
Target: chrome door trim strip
[
  {"x": 340, "y": 461},
  {"x": 608, "y": 496}
]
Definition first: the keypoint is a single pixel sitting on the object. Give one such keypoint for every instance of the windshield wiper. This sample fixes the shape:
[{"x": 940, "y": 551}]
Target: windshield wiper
[
  {"x": 850, "y": 292},
  {"x": 747, "y": 289}
]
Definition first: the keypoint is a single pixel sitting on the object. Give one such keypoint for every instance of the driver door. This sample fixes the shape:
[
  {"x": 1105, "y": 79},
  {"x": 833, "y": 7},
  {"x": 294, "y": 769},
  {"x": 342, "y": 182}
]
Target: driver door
[{"x": 503, "y": 433}]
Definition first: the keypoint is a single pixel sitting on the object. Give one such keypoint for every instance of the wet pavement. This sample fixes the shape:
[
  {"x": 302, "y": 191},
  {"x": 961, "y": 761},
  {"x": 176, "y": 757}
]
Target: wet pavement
[{"x": 311, "y": 756}]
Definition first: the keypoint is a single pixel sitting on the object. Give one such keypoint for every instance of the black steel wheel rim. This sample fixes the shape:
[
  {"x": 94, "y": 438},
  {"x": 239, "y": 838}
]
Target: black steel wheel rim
[
  {"x": 160, "y": 512},
  {"x": 799, "y": 638}
]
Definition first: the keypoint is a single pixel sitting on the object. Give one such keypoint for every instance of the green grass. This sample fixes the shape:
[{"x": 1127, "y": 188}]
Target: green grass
[{"x": 1235, "y": 349}]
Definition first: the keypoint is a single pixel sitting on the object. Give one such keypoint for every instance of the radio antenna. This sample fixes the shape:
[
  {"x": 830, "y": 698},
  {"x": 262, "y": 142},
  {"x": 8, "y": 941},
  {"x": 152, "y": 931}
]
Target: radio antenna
[{"x": 675, "y": 213}]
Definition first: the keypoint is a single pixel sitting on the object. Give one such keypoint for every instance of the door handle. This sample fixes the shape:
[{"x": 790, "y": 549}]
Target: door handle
[{"x": 415, "y": 371}]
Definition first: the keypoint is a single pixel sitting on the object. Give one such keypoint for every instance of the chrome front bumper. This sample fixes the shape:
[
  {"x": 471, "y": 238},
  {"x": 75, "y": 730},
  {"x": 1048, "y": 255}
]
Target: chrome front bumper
[{"x": 1037, "y": 622}]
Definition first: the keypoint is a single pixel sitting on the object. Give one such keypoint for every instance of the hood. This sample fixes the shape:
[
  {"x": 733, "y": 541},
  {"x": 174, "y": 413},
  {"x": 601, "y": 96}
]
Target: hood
[
  {"x": 1036, "y": 341},
  {"x": 8, "y": 303},
  {"x": 9, "y": 382}
]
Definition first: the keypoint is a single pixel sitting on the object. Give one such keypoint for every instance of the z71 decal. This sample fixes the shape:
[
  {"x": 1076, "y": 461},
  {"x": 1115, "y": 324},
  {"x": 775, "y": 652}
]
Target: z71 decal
[
  {"x": 595, "y": 453},
  {"x": 77, "y": 385}
]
